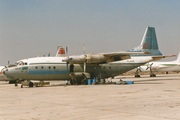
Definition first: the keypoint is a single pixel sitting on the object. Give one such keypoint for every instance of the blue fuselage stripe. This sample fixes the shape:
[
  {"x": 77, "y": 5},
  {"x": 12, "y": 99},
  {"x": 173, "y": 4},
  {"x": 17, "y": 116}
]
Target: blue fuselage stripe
[{"x": 48, "y": 72}]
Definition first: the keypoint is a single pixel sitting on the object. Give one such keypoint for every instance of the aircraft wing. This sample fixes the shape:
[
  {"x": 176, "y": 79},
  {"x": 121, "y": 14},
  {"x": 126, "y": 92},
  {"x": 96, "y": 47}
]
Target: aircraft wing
[{"x": 101, "y": 58}]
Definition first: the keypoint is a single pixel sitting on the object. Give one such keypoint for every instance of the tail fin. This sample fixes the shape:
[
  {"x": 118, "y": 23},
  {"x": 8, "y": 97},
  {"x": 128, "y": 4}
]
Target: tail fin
[
  {"x": 148, "y": 43},
  {"x": 178, "y": 58},
  {"x": 60, "y": 52}
]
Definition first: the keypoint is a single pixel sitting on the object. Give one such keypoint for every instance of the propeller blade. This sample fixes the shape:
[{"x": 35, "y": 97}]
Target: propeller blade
[
  {"x": 67, "y": 50},
  {"x": 67, "y": 66},
  {"x": 84, "y": 66},
  {"x": 84, "y": 58}
]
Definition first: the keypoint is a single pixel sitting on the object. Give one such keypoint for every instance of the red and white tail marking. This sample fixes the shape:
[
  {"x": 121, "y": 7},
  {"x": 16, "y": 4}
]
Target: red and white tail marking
[{"x": 60, "y": 52}]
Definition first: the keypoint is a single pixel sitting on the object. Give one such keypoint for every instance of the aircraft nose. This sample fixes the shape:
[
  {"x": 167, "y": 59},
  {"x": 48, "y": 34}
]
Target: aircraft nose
[{"x": 4, "y": 71}]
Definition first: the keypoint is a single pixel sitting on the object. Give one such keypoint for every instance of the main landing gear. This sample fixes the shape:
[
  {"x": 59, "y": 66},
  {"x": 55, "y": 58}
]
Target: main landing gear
[
  {"x": 137, "y": 72},
  {"x": 27, "y": 83},
  {"x": 79, "y": 78},
  {"x": 151, "y": 72}
]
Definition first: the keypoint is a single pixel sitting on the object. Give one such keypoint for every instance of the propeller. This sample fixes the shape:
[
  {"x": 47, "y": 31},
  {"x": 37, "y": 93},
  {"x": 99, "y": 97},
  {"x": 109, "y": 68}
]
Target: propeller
[
  {"x": 8, "y": 62},
  {"x": 149, "y": 66},
  {"x": 139, "y": 69},
  {"x": 84, "y": 58},
  {"x": 68, "y": 57}
]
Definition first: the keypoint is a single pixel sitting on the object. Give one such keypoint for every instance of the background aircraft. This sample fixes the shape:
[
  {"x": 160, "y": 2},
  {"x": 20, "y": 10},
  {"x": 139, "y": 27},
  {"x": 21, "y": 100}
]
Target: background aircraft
[{"x": 169, "y": 66}]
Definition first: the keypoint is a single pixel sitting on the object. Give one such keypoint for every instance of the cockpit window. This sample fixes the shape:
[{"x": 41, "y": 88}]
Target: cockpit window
[{"x": 21, "y": 63}]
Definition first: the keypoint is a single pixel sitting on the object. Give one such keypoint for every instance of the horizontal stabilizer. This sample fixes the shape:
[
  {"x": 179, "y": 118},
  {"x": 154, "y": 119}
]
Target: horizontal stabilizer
[
  {"x": 160, "y": 57},
  {"x": 124, "y": 53}
]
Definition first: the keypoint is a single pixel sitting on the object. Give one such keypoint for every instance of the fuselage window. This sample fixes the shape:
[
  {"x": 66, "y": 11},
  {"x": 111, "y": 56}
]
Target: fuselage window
[
  {"x": 36, "y": 67},
  {"x": 42, "y": 67},
  {"x": 49, "y": 67},
  {"x": 54, "y": 67}
]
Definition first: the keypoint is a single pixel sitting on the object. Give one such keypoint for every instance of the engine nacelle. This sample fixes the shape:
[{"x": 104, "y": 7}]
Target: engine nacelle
[
  {"x": 95, "y": 58},
  {"x": 75, "y": 59},
  {"x": 89, "y": 58}
]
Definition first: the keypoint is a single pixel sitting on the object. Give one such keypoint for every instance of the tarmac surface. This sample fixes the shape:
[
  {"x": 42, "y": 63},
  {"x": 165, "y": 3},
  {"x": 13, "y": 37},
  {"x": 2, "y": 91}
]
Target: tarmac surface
[{"x": 156, "y": 98}]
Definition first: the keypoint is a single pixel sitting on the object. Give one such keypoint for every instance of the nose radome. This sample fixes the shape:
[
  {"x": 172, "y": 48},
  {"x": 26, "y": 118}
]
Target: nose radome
[{"x": 4, "y": 71}]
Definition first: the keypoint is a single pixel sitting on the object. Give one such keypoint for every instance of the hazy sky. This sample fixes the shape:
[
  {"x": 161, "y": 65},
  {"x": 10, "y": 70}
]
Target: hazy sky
[{"x": 31, "y": 27}]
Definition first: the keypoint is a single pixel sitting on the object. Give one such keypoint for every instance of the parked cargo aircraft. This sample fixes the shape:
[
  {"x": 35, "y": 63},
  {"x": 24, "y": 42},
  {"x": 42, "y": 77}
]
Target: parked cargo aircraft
[
  {"x": 79, "y": 68},
  {"x": 169, "y": 66}
]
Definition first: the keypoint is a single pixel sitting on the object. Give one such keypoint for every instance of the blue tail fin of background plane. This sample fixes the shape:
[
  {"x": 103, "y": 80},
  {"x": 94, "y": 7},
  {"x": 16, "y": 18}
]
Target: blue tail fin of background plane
[{"x": 148, "y": 44}]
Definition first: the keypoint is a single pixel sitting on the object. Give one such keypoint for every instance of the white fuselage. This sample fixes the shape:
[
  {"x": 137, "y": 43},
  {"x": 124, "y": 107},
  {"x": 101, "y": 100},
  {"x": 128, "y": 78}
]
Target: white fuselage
[
  {"x": 172, "y": 66},
  {"x": 52, "y": 68}
]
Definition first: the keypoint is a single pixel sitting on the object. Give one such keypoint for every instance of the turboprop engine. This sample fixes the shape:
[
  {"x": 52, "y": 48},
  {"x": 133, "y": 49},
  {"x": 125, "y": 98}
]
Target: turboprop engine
[{"x": 89, "y": 58}]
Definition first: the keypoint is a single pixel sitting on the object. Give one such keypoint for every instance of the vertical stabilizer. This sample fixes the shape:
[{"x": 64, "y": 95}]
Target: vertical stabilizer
[
  {"x": 148, "y": 43},
  {"x": 178, "y": 58},
  {"x": 60, "y": 52}
]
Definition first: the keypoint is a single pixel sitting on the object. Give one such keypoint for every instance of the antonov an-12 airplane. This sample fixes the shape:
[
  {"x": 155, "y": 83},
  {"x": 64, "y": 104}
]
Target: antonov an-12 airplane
[
  {"x": 82, "y": 67},
  {"x": 168, "y": 66}
]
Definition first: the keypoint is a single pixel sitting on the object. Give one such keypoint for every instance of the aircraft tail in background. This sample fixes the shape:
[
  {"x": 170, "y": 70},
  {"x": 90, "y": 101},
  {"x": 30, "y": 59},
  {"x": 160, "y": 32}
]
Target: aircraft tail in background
[
  {"x": 60, "y": 52},
  {"x": 178, "y": 58},
  {"x": 148, "y": 44}
]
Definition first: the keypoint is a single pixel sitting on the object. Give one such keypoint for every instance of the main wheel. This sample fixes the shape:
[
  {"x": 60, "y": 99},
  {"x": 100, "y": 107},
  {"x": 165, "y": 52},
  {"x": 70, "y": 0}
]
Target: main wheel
[
  {"x": 71, "y": 82},
  {"x": 84, "y": 82},
  {"x": 12, "y": 82},
  {"x": 78, "y": 81},
  {"x": 31, "y": 84},
  {"x": 152, "y": 75},
  {"x": 137, "y": 75}
]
